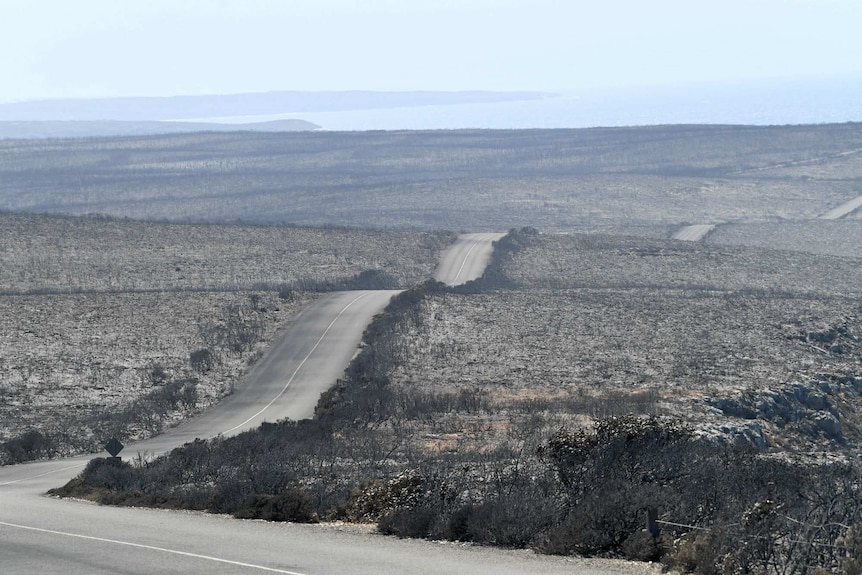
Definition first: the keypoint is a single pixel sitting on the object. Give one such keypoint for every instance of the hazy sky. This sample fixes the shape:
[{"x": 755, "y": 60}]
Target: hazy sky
[{"x": 85, "y": 48}]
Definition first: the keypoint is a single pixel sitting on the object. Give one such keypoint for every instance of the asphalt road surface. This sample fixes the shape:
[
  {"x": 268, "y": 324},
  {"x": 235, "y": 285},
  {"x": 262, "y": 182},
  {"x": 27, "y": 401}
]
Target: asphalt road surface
[
  {"x": 843, "y": 210},
  {"x": 44, "y": 535},
  {"x": 693, "y": 233},
  {"x": 465, "y": 260}
]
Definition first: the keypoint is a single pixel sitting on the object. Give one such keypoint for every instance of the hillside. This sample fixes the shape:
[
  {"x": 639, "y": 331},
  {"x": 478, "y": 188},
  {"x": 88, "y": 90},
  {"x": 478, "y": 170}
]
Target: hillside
[
  {"x": 642, "y": 181},
  {"x": 549, "y": 406},
  {"x": 591, "y": 375},
  {"x": 120, "y": 328},
  {"x": 736, "y": 341}
]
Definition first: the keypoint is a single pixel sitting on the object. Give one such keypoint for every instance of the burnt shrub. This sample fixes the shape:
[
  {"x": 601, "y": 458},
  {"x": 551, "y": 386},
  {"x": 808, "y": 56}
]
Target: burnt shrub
[
  {"x": 458, "y": 525},
  {"x": 101, "y": 477},
  {"x": 291, "y": 505},
  {"x": 641, "y": 546},
  {"x": 700, "y": 553},
  {"x": 611, "y": 475},
  {"x": 417, "y": 522},
  {"x": 32, "y": 444},
  {"x": 513, "y": 516},
  {"x": 108, "y": 473},
  {"x": 599, "y": 525},
  {"x": 371, "y": 279},
  {"x": 504, "y": 522},
  {"x": 377, "y": 498},
  {"x": 202, "y": 360},
  {"x": 851, "y": 564}
]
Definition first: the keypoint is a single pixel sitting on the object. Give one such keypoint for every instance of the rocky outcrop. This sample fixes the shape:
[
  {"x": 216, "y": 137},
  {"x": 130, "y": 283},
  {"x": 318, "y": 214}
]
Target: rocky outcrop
[{"x": 810, "y": 408}]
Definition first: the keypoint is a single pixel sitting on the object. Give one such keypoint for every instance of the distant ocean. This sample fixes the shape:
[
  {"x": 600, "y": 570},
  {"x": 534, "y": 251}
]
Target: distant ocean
[{"x": 774, "y": 102}]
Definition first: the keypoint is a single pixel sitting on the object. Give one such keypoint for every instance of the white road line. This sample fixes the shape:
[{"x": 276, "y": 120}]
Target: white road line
[
  {"x": 283, "y": 390},
  {"x": 152, "y": 548},
  {"x": 289, "y": 381},
  {"x": 458, "y": 275},
  {"x": 43, "y": 474}
]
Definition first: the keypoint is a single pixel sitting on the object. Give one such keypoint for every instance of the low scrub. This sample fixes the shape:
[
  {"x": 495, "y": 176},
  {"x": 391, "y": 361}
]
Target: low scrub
[{"x": 466, "y": 455}]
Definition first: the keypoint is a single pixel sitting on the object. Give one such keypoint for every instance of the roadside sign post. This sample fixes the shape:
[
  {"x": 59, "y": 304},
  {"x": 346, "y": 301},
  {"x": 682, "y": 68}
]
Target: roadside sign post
[{"x": 114, "y": 447}]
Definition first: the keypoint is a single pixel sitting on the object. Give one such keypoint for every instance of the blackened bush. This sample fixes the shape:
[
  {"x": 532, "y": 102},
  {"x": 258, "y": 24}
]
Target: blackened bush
[
  {"x": 30, "y": 445},
  {"x": 290, "y": 505},
  {"x": 851, "y": 564},
  {"x": 202, "y": 360},
  {"x": 108, "y": 473},
  {"x": 371, "y": 279},
  {"x": 100, "y": 477},
  {"x": 458, "y": 526},
  {"x": 699, "y": 553},
  {"x": 588, "y": 530},
  {"x": 418, "y": 522},
  {"x": 374, "y": 499},
  {"x": 499, "y": 523},
  {"x": 511, "y": 520},
  {"x": 617, "y": 448},
  {"x": 641, "y": 546},
  {"x": 229, "y": 495}
]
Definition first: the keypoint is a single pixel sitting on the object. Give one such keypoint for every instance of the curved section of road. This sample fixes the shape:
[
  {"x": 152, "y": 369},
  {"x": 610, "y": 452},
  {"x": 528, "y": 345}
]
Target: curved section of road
[
  {"x": 306, "y": 360},
  {"x": 65, "y": 537},
  {"x": 74, "y": 538},
  {"x": 466, "y": 259}
]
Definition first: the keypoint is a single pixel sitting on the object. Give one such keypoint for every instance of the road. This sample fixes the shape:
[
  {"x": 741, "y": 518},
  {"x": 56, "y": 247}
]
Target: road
[
  {"x": 51, "y": 536},
  {"x": 808, "y": 161},
  {"x": 465, "y": 260},
  {"x": 693, "y": 233},
  {"x": 72, "y": 538},
  {"x": 843, "y": 210}
]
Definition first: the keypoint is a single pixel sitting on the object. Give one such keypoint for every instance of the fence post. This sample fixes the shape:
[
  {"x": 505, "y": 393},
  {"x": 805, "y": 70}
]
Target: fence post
[{"x": 651, "y": 525}]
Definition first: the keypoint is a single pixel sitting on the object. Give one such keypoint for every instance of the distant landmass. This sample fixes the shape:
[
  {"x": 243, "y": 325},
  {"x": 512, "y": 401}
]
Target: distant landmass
[
  {"x": 768, "y": 101},
  {"x": 85, "y": 129},
  {"x": 237, "y": 105}
]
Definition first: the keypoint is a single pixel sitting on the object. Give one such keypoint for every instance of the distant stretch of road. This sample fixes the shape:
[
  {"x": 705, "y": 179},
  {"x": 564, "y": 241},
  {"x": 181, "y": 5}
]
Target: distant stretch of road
[
  {"x": 693, "y": 233},
  {"x": 790, "y": 164},
  {"x": 466, "y": 259},
  {"x": 843, "y": 210},
  {"x": 48, "y": 536}
]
